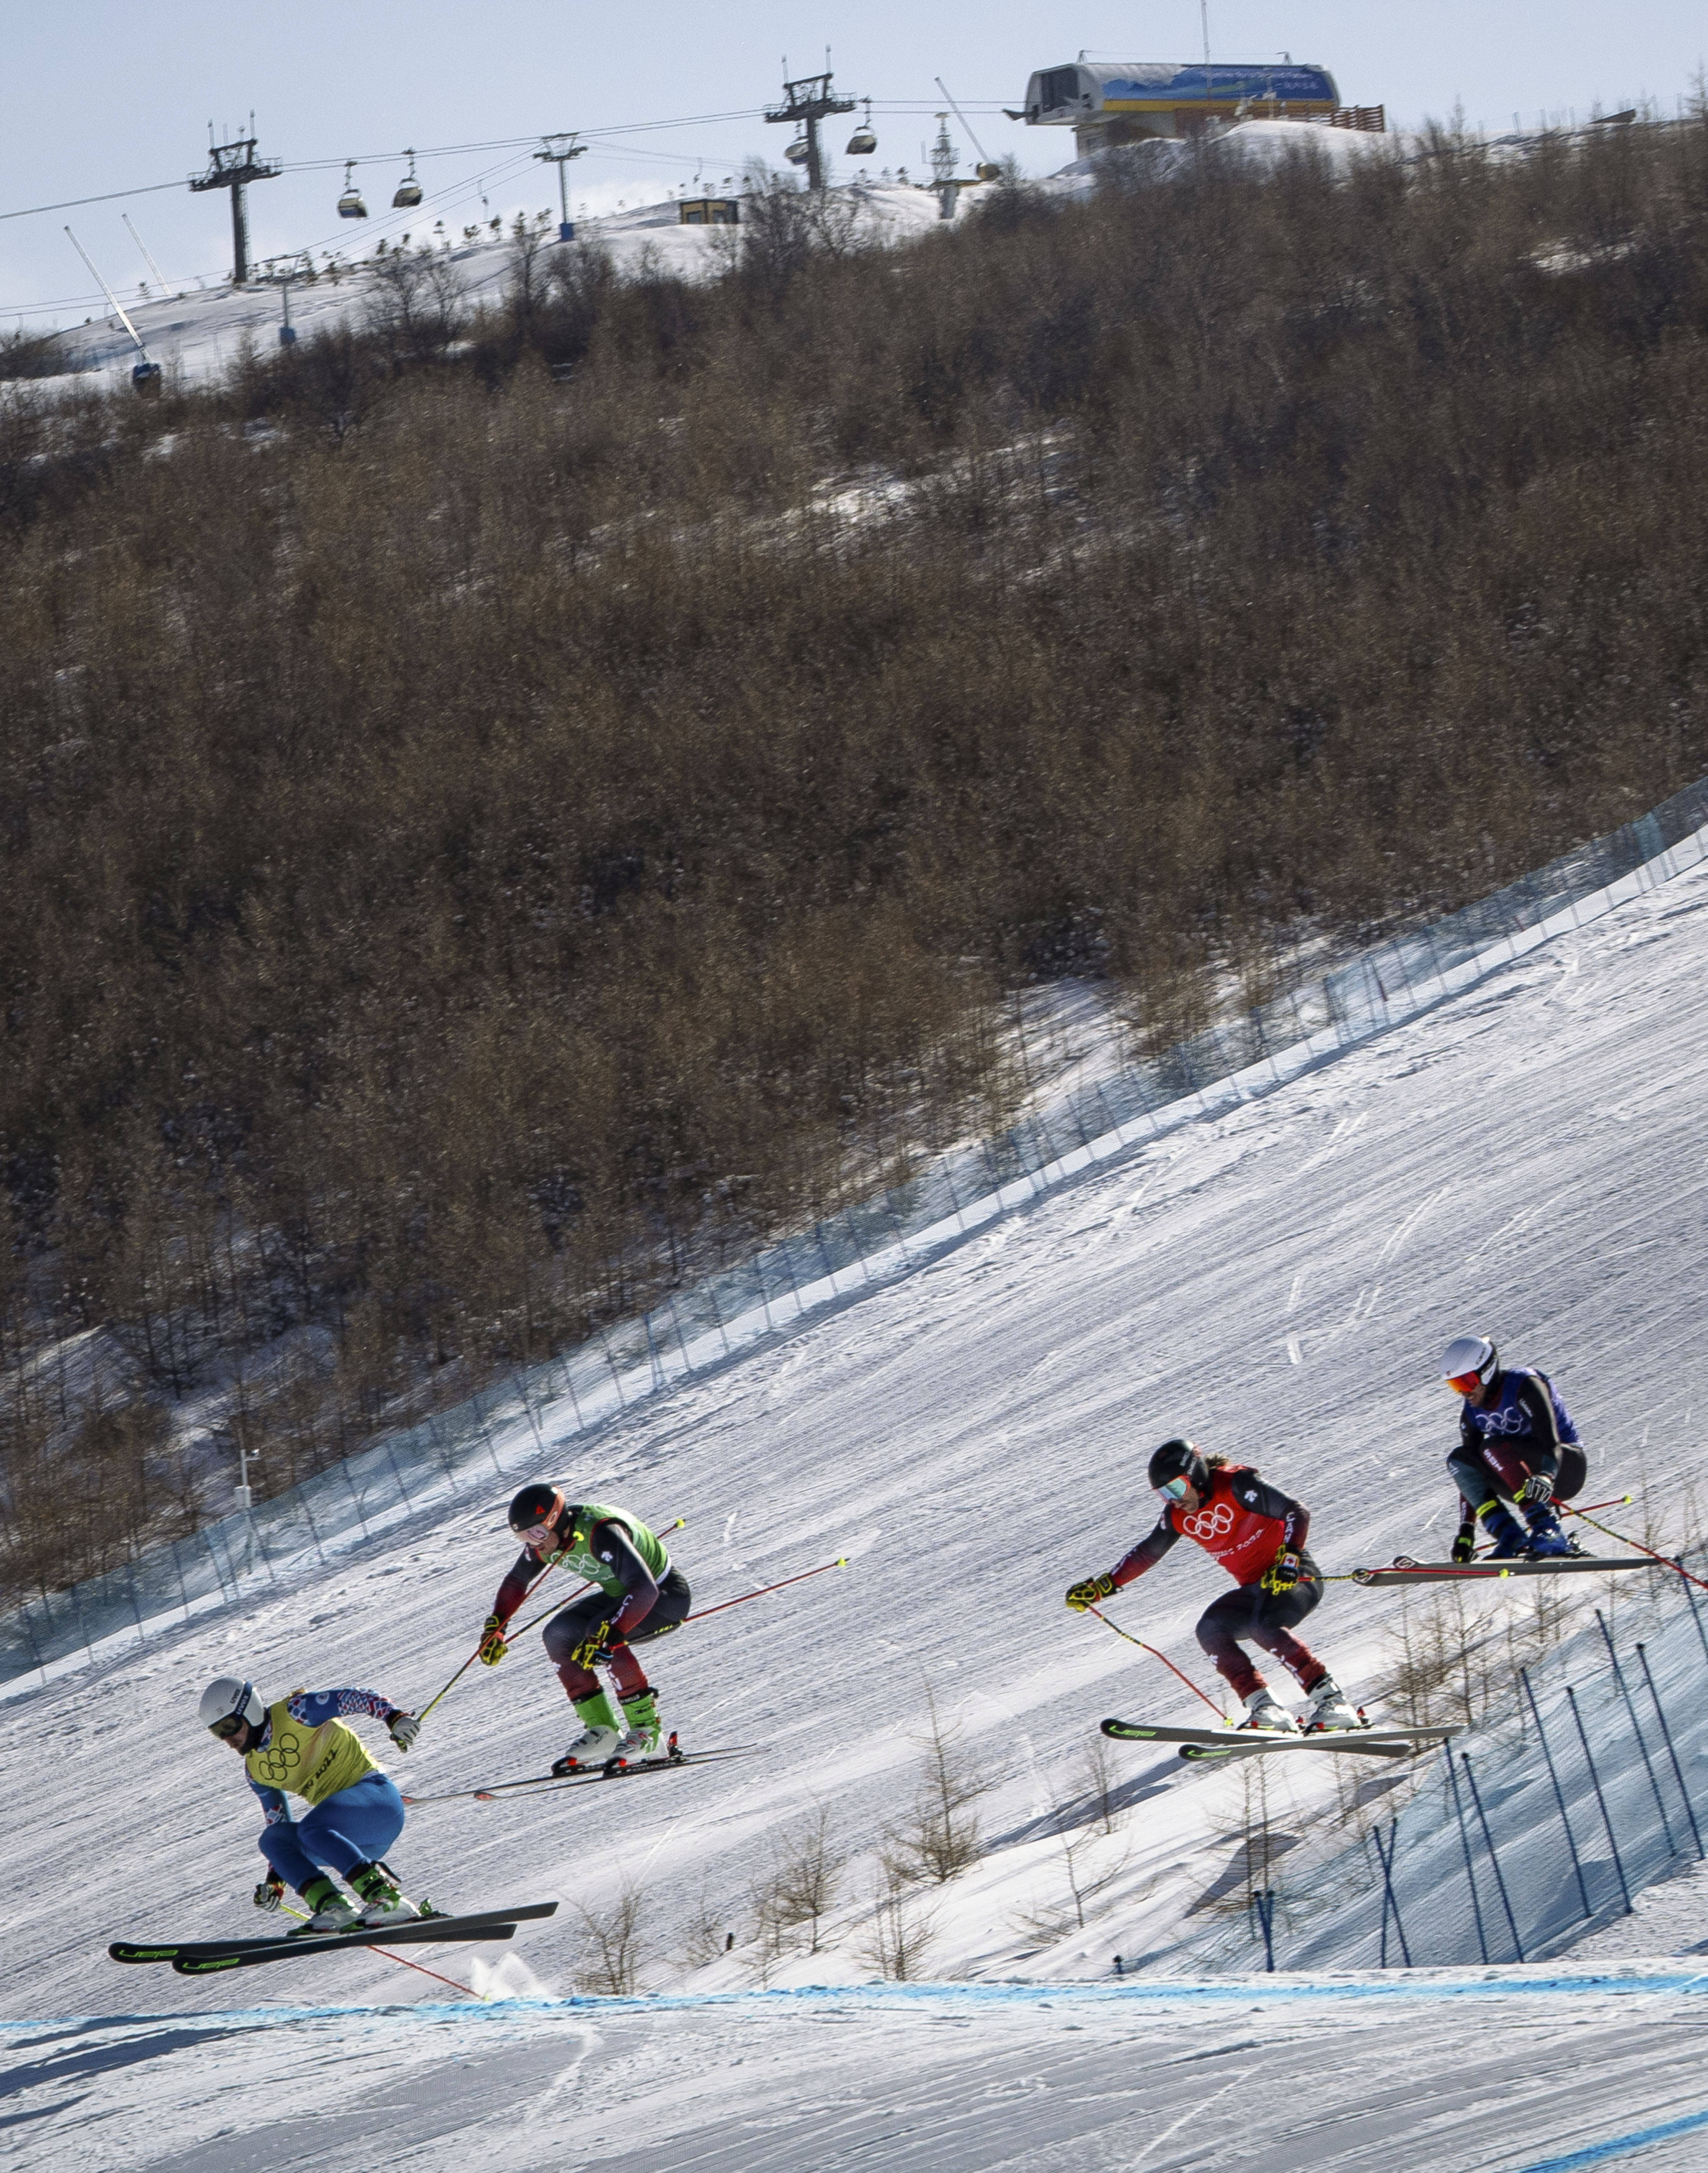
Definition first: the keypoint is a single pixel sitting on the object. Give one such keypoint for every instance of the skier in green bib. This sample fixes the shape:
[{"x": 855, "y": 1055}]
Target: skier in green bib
[{"x": 637, "y": 1594}]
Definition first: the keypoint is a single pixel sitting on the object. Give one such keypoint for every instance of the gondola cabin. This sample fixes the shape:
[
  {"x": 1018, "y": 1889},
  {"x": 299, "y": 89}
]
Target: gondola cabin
[{"x": 1120, "y": 102}]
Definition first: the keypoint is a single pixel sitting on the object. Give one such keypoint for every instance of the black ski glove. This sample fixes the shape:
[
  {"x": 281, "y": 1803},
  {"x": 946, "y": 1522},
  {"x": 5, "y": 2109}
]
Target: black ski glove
[
  {"x": 1465, "y": 1540},
  {"x": 270, "y": 1892}
]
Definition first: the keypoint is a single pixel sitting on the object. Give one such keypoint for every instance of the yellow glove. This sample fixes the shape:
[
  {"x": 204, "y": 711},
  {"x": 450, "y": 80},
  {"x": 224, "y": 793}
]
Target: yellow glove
[
  {"x": 493, "y": 1648},
  {"x": 1089, "y": 1591},
  {"x": 1281, "y": 1575},
  {"x": 591, "y": 1648}
]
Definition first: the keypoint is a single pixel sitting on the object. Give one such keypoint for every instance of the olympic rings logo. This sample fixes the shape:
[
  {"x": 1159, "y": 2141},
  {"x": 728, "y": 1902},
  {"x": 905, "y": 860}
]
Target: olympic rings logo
[
  {"x": 1216, "y": 1525},
  {"x": 284, "y": 1758}
]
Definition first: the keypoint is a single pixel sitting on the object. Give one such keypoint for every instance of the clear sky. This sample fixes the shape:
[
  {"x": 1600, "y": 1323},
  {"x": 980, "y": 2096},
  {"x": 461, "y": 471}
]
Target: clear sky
[{"x": 106, "y": 94}]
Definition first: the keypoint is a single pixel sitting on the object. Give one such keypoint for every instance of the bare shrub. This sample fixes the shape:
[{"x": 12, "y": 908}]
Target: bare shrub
[
  {"x": 800, "y": 1886},
  {"x": 940, "y": 1836},
  {"x": 901, "y": 1930},
  {"x": 611, "y": 1943}
]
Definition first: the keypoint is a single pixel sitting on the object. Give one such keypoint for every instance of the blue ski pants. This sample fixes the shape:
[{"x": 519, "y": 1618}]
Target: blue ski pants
[{"x": 357, "y": 1825}]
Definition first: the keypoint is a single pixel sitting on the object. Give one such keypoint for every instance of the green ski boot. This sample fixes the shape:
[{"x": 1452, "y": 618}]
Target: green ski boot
[
  {"x": 640, "y": 1710},
  {"x": 601, "y": 1733},
  {"x": 329, "y": 1911},
  {"x": 381, "y": 1901}
]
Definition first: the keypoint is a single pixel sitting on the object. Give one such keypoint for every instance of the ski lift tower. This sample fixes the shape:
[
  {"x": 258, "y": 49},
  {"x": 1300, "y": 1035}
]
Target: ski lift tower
[
  {"x": 806, "y": 102},
  {"x": 558, "y": 152},
  {"x": 233, "y": 166}
]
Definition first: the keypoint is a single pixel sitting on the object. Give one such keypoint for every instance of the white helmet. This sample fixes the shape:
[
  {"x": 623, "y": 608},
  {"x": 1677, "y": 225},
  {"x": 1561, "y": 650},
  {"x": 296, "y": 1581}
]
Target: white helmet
[
  {"x": 227, "y": 1699},
  {"x": 1467, "y": 1355}
]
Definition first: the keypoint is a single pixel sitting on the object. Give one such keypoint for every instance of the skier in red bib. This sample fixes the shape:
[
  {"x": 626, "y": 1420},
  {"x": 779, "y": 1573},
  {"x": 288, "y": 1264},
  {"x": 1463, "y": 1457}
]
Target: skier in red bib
[{"x": 1258, "y": 1535}]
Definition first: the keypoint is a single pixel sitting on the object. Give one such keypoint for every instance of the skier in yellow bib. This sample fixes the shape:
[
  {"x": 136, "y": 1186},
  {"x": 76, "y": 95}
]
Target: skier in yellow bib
[{"x": 300, "y": 1746}]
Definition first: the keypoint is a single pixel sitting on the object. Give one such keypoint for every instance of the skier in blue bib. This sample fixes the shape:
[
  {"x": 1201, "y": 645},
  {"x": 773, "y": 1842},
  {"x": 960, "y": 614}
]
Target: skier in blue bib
[{"x": 1517, "y": 1448}]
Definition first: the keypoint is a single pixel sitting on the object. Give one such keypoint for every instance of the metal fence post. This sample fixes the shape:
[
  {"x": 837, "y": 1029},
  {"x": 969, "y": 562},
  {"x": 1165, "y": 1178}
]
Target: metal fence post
[
  {"x": 1595, "y": 1779},
  {"x": 1390, "y": 1900},
  {"x": 1264, "y": 1901},
  {"x": 1465, "y": 1844},
  {"x": 1637, "y": 1731},
  {"x": 309, "y": 1519},
  {"x": 1494, "y": 1861},
  {"x": 1667, "y": 1732},
  {"x": 1559, "y": 1792},
  {"x": 408, "y": 1505}
]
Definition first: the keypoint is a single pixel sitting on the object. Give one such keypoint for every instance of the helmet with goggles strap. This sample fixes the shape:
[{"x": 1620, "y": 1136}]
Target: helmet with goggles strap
[
  {"x": 1175, "y": 1466},
  {"x": 538, "y": 1506},
  {"x": 1469, "y": 1363},
  {"x": 227, "y": 1703}
]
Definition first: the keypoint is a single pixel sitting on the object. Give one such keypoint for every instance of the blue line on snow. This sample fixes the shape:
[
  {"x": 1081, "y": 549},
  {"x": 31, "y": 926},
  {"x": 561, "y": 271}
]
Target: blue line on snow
[
  {"x": 1497, "y": 1984},
  {"x": 1597, "y": 2154}
]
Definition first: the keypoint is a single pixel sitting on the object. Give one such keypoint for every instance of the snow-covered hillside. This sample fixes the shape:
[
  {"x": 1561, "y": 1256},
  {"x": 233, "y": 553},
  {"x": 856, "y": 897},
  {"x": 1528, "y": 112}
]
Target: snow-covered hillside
[
  {"x": 196, "y": 335},
  {"x": 1528, "y": 1159}
]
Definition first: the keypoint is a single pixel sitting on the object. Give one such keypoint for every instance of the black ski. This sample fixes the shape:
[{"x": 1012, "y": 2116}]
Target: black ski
[
  {"x": 1404, "y": 1570},
  {"x": 413, "y": 1931},
  {"x": 633, "y": 1767},
  {"x": 1197, "y": 1744}
]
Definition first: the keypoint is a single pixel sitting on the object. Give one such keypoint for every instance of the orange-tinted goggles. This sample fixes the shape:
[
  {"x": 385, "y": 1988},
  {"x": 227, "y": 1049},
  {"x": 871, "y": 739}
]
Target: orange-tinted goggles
[{"x": 1464, "y": 1384}]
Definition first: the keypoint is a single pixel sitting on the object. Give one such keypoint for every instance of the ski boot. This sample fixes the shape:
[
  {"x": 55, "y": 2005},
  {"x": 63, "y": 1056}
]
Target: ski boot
[
  {"x": 330, "y": 1911},
  {"x": 1546, "y": 1541},
  {"x": 641, "y": 1739},
  {"x": 1328, "y": 1708},
  {"x": 381, "y": 1901},
  {"x": 1266, "y": 1715},
  {"x": 1511, "y": 1539},
  {"x": 600, "y": 1737}
]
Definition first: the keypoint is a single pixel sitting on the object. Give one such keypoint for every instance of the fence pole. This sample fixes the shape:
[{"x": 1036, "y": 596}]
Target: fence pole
[
  {"x": 178, "y": 1571},
  {"x": 30, "y": 1632},
  {"x": 308, "y": 1518},
  {"x": 681, "y": 1344},
  {"x": 1465, "y": 1844},
  {"x": 1494, "y": 1861},
  {"x": 1390, "y": 1900},
  {"x": 1667, "y": 1732},
  {"x": 361, "y": 1517},
  {"x": 1264, "y": 1901},
  {"x": 1559, "y": 1792},
  {"x": 1637, "y": 1731},
  {"x": 408, "y": 1505},
  {"x": 1595, "y": 1779}
]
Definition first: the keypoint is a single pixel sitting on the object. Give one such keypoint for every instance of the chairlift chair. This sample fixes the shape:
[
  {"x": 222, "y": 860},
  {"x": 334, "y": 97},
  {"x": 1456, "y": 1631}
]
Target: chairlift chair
[
  {"x": 408, "y": 189},
  {"x": 796, "y": 153},
  {"x": 350, "y": 204},
  {"x": 864, "y": 141}
]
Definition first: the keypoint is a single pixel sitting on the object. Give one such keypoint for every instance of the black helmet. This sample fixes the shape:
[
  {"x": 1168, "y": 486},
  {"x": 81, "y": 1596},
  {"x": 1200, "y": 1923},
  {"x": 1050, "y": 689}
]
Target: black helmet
[
  {"x": 539, "y": 1503},
  {"x": 1179, "y": 1460}
]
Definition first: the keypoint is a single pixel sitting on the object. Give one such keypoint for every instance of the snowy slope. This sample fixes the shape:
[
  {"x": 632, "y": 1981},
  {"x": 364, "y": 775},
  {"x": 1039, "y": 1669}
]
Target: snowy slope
[
  {"x": 196, "y": 335},
  {"x": 1277, "y": 1282}
]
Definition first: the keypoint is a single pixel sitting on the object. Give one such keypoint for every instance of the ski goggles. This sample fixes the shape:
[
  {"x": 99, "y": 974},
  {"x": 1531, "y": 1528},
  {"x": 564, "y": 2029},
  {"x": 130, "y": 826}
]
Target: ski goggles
[
  {"x": 226, "y": 1729},
  {"x": 1174, "y": 1489},
  {"x": 1464, "y": 1384}
]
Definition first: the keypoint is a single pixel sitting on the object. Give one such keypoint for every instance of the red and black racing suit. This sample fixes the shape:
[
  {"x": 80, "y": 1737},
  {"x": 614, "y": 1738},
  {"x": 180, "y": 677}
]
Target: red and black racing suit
[
  {"x": 1245, "y": 1524},
  {"x": 647, "y": 1608}
]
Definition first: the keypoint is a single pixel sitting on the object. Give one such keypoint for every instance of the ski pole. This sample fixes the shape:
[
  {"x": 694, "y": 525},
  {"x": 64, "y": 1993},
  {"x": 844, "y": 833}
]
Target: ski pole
[
  {"x": 475, "y": 1654},
  {"x": 406, "y": 1964},
  {"x": 552, "y": 1609},
  {"x": 841, "y": 1562},
  {"x": 1665, "y": 1561},
  {"x": 1155, "y": 1655}
]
